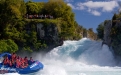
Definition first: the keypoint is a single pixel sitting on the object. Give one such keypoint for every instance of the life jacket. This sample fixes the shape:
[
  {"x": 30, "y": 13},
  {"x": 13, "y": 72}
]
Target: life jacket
[
  {"x": 26, "y": 60},
  {"x": 13, "y": 56},
  {"x": 13, "y": 61},
  {"x": 5, "y": 61},
  {"x": 22, "y": 63},
  {"x": 10, "y": 63},
  {"x": 18, "y": 63},
  {"x": 25, "y": 64}
]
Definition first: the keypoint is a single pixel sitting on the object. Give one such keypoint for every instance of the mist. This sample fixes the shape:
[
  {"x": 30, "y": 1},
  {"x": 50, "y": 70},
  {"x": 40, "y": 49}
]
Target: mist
[{"x": 83, "y": 57}]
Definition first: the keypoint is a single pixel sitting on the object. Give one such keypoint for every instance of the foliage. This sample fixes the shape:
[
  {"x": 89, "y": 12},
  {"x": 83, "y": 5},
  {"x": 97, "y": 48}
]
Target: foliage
[
  {"x": 8, "y": 46},
  {"x": 85, "y": 32},
  {"x": 15, "y": 10},
  {"x": 19, "y": 32},
  {"x": 100, "y": 30},
  {"x": 32, "y": 7},
  {"x": 91, "y": 34},
  {"x": 115, "y": 33}
]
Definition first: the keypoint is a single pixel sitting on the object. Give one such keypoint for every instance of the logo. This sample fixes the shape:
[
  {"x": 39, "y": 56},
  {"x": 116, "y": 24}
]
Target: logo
[
  {"x": 33, "y": 65},
  {"x": 7, "y": 70}
]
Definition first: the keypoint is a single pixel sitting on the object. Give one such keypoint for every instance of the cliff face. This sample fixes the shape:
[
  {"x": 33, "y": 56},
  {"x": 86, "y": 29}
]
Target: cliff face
[
  {"x": 116, "y": 37},
  {"x": 107, "y": 32},
  {"x": 48, "y": 34},
  {"x": 112, "y": 36},
  {"x": 89, "y": 34},
  {"x": 92, "y": 36}
]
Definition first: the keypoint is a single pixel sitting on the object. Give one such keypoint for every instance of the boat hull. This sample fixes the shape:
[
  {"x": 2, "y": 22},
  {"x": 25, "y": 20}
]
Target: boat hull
[{"x": 36, "y": 66}]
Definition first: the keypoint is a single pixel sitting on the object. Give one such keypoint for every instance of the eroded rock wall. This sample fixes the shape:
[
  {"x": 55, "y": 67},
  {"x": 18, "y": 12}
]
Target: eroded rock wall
[
  {"x": 107, "y": 32},
  {"x": 48, "y": 34}
]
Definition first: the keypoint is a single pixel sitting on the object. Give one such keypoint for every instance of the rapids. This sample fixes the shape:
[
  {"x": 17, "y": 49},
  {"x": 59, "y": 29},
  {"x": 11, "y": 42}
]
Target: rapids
[{"x": 83, "y": 57}]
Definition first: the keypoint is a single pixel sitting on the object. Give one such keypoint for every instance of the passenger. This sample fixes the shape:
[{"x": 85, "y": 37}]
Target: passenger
[
  {"x": 10, "y": 63},
  {"x": 22, "y": 63},
  {"x": 9, "y": 57},
  {"x": 25, "y": 62},
  {"x": 17, "y": 57},
  {"x": 6, "y": 61},
  {"x": 13, "y": 57},
  {"x": 18, "y": 62},
  {"x": 31, "y": 61},
  {"x": 14, "y": 62}
]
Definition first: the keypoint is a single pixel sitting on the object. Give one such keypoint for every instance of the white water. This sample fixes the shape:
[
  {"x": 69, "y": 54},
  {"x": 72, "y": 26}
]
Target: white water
[{"x": 84, "y": 57}]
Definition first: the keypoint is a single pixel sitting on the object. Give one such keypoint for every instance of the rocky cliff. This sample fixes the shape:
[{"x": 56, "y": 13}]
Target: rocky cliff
[
  {"x": 52, "y": 33},
  {"x": 107, "y": 32},
  {"x": 89, "y": 34},
  {"x": 48, "y": 34},
  {"x": 112, "y": 35}
]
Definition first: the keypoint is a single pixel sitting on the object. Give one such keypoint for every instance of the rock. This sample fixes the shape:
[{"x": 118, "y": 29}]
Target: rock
[
  {"x": 112, "y": 36},
  {"x": 48, "y": 34},
  {"x": 40, "y": 30},
  {"x": 107, "y": 31}
]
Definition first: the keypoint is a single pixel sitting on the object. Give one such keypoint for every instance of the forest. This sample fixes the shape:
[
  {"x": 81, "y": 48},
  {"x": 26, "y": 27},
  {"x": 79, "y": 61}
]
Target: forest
[{"x": 16, "y": 15}]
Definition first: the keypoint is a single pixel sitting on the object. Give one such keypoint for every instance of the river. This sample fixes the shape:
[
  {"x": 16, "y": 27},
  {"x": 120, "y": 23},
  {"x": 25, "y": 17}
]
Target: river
[{"x": 83, "y": 57}]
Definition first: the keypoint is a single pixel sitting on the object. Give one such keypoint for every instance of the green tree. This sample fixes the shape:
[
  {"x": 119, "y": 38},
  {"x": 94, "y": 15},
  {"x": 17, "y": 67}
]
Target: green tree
[
  {"x": 32, "y": 7},
  {"x": 11, "y": 10},
  {"x": 8, "y": 46},
  {"x": 59, "y": 9},
  {"x": 114, "y": 19},
  {"x": 40, "y": 7},
  {"x": 92, "y": 35},
  {"x": 100, "y": 30},
  {"x": 84, "y": 32}
]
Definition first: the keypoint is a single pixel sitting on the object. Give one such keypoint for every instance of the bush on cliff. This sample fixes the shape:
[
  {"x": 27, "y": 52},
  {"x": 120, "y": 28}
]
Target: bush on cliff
[
  {"x": 8, "y": 46},
  {"x": 100, "y": 31}
]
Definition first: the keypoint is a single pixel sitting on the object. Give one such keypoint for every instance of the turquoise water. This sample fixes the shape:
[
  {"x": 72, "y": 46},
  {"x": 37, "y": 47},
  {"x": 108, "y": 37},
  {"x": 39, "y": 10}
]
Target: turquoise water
[{"x": 83, "y": 57}]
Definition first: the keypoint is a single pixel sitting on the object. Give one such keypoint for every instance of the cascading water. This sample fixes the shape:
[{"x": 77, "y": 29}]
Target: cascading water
[{"x": 84, "y": 57}]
